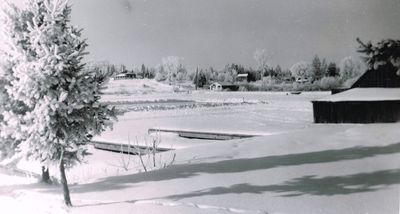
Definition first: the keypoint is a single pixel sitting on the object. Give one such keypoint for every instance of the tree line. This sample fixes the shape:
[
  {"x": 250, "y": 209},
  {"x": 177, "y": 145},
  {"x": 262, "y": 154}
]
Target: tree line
[{"x": 318, "y": 72}]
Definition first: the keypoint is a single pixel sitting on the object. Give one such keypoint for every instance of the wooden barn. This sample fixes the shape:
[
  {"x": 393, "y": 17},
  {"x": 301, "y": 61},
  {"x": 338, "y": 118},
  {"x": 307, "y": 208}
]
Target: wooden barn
[
  {"x": 359, "y": 105},
  {"x": 373, "y": 98}
]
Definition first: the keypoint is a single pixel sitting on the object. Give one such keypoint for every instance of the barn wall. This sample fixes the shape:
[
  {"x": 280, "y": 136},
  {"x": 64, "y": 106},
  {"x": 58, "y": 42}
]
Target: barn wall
[{"x": 356, "y": 111}]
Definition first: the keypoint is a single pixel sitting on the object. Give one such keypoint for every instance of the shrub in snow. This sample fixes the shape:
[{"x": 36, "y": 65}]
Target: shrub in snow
[
  {"x": 350, "y": 68},
  {"x": 243, "y": 88},
  {"x": 147, "y": 155},
  {"x": 267, "y": 83},
  {"x": 302, "y": 70},
  {"x": 63, "y": 110},
  {"x": 328, "y": 83},
  {"x": 160, "y": 76}
]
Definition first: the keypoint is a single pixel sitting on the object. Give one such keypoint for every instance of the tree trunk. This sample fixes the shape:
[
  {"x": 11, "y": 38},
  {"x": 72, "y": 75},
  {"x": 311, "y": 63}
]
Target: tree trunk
[
  {"x": 45, "y": 175},
  {"x": 197, "y": 78},
  {"x": 64, "y": 183}
]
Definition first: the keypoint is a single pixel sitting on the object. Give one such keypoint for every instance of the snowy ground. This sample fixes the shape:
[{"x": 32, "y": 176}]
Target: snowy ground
[
  {"x": 299, "y": 168},
  {"x": 251, "y": 112},
  {"x": 342, "y": 169}
]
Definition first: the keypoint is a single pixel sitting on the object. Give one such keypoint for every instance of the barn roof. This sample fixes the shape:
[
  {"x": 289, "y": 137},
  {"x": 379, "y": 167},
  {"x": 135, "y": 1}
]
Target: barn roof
[
  {"x": 364, "y": 94},
  {"x": 216, "y": 83},
  {"x": 386, "y": 77}
]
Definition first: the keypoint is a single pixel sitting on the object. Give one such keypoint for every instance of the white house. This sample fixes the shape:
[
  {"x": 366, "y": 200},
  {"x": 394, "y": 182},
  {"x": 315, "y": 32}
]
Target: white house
[
  {"x": 301, "y": 80},
  {"x": 242, "y": 77},
  {"x": 216, "y": 86}
]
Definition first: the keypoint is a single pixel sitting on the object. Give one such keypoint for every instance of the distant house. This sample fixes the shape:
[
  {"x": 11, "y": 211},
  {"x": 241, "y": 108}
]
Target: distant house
[
  {"x": 373, "y": 98},
  {"x": 120, "y": 76},
  {"x": 223, "y": 87},
  {"x": 301, "y": 80},
  {"x": 216, "y": 87},
  {"x": 242, "y": 77},
  {"x": 124, "y": 76}
]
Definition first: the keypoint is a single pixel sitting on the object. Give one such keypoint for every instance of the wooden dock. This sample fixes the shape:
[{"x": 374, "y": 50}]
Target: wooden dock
[
  {"x": 125, "y": 148},
  {"x": 203, "y": 134}
]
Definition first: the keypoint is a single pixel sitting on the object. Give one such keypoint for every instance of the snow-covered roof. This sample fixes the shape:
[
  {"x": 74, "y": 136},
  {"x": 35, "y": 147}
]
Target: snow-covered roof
[
  {"x": 364, "y": 94},
  {"x": 242, "y": 75},
  {"x": 215, "y": 83},
  {"x": 121, "y": 75}
]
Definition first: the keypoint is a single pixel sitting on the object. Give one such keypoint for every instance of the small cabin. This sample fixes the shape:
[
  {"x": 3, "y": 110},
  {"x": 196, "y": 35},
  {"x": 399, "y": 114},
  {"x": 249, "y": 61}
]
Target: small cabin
[
  {"x": 216, "y": 87},
  {"x": 242, "y": 77},
  {"x": 302, "y": 80},
  {"x": 124, "y": 76}
]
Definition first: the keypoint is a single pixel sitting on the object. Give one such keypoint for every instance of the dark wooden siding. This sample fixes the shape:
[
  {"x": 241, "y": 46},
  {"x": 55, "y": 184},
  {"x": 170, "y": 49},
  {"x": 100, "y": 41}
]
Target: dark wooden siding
[
  {"x": 356, "y": 111},
  {"x": 230, "y": 87}
]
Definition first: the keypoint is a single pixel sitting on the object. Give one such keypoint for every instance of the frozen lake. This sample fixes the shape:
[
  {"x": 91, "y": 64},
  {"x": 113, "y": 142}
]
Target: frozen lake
[{"x": 264, "y": 113}]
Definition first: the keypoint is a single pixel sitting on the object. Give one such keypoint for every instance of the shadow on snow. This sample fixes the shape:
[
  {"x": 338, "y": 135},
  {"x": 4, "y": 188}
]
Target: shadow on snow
[
  {"x": 310, "y": 185},
  {"x": 268, "y": 162},
  {"x": 307, "y": 185}
]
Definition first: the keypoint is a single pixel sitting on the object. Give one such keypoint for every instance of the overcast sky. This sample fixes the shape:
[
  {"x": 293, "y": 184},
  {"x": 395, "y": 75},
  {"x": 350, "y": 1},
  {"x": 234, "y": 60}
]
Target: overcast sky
[{"x": 217, "y": 32}]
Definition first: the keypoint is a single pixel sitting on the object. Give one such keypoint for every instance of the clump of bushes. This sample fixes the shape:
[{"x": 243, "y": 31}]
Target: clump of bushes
[{"x": 269, "y": 84}]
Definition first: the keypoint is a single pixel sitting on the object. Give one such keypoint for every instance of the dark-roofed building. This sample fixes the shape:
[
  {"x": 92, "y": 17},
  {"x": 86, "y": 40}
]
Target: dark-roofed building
[
  {"x": 359, "y": 105},
  {"x": 373, "y": 98},
  {"x": 242, "y": 77}
]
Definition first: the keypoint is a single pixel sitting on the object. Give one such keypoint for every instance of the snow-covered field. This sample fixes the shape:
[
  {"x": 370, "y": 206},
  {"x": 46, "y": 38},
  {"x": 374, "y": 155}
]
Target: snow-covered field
[
  {"x": 297, "y": 167},
  {"x": 251, "y": 112}
]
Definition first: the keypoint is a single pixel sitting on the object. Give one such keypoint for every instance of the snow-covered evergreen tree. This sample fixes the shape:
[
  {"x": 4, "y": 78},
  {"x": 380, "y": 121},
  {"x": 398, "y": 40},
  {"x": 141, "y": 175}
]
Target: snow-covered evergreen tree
[
  {"x": 62, "y": 97},
  {"x": 316, "y": 68},
  {"x": 14, "y": 42},
  {"x": 383, "y": 53}
]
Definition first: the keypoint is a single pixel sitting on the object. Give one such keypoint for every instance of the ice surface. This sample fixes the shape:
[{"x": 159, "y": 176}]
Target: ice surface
[{"x": 274, "y": 113}]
